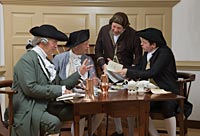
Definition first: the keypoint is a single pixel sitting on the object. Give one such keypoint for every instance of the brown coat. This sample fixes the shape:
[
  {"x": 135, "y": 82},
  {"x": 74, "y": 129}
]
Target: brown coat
[{"x": 129, "y": 50}]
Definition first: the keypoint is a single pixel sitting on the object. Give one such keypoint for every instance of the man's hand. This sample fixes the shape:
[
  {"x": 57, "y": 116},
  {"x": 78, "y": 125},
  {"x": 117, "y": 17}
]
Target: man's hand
[
  {"x": 67, "y": 92},
  {"x": 84, "y": 67},
  {"x": 104, "y": 67},
  {"x": 122, "y": 72}
]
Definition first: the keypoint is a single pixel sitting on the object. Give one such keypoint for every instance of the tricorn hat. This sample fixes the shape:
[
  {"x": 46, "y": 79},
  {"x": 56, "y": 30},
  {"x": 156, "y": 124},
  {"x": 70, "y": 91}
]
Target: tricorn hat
[
  {"x": 48, "y": 31},
  {"x": 77, "y": 37},
  {"x": 152, "y": 34}
]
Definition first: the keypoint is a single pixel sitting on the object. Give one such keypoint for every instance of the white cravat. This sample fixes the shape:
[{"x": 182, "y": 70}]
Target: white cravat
[
  {"x": 150, "y": 54},
  {"x": 47, "y": 66},
  {"x": 116, "y": 38},
  {"x": 74, "y": 64}
]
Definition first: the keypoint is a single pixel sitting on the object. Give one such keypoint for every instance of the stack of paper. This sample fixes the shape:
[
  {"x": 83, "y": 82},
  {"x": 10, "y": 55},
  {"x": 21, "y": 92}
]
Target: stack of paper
[
  {"x": 159, "y": 91},
  {"x": 69, "y": 96}
]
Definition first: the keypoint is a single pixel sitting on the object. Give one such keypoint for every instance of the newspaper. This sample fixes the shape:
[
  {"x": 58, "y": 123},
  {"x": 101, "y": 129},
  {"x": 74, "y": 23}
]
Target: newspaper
[{"x": 112, "y": 68}]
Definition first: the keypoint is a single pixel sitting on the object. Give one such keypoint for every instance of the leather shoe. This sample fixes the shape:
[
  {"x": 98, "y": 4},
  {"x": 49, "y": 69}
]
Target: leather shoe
[{"x": 116, "y": 134}]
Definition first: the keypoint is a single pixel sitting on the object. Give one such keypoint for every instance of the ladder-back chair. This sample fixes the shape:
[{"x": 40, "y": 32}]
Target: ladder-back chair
[
  {"x": 8, "y": 125},
  {"x": 184, "y": 80}
]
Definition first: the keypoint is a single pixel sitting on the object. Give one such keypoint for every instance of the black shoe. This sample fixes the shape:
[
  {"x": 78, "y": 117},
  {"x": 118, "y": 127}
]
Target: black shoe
[{"x": 116, "y": 134}]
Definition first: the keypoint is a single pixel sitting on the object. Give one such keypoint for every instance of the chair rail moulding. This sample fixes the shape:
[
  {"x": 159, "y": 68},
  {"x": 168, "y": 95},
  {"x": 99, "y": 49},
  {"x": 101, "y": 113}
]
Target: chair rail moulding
[
  {"x": 2, "y": 70},
  {"x": 105, "y": 3},
  {"x": 188, "y": 65}
]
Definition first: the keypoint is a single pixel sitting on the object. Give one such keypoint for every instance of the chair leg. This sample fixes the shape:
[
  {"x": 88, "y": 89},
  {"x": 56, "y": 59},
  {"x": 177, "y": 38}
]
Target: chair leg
[
  {"x": 107, "y": 125},
  {"x": 185, "y": 127},
  {"x": 181, "y": 125},
  {"x": 89, "y": 125}
]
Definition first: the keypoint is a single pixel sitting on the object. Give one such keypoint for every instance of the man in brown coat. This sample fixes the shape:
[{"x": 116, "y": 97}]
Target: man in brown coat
[{"x": 118, "y": 42}]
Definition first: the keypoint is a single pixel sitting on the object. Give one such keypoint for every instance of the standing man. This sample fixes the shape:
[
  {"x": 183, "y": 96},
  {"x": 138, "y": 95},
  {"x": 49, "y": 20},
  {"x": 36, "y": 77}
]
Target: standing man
[
  {"x": 68, "y": 62},
  {"x": 118, "y": 41},
  {"x": 157, "y": 64}
]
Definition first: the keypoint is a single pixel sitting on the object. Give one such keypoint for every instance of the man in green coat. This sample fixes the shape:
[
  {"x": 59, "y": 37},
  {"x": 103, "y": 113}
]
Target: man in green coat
[{"x": 35, "y": 110}]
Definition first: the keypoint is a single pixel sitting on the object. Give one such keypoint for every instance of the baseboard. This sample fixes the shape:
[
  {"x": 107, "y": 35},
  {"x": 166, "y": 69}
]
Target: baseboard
[{"x": 193, "y": 124}]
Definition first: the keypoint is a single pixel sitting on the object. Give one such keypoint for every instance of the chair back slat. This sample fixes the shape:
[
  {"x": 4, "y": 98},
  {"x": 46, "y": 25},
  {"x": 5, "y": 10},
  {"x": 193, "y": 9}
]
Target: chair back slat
[
  {"x": 10, "y": 93},
  {"x": 185, "y": 80}
]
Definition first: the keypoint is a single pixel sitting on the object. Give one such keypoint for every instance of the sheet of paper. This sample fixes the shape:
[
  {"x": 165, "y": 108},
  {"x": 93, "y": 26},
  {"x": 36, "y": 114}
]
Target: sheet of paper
[
  {"x": 109, "y": 90},
  {"x": 159, "y": 91},
  {"x": 113, "y": 66},
  {"x": 114, "y": 77}
]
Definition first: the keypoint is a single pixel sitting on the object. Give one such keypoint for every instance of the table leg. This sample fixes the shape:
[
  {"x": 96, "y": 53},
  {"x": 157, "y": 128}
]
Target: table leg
[
  {"x": 76, "y": 125},
  {"x": 89, "y": 125},
  {"x": 144, "y": 119}
]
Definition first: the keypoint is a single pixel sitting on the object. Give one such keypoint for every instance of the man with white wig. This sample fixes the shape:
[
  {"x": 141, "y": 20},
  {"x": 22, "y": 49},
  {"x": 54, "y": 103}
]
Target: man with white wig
[{"x": 36, "y": 111}]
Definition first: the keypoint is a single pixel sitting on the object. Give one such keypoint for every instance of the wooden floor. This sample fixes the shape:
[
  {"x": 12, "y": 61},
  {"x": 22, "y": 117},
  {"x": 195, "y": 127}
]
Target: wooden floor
[{"x": 191, "y": 132}]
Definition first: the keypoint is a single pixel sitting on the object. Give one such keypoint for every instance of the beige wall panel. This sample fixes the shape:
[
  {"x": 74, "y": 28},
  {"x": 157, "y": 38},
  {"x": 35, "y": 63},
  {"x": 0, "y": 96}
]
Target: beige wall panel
[
  {"x": 21, "y": 23},
  {"x": 155, "y": 21},
  {"x": 67, "y": 23},
  {"x": 133, "y": 19},
  {"x": 20, "y": 18},
  {"x": 18, "y": 51},
  {"x": 101, "y": 20}
]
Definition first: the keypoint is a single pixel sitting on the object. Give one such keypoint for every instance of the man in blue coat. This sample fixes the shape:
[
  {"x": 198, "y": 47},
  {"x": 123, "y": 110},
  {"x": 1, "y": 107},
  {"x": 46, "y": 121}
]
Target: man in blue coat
[{"x": 68, "y": 62}]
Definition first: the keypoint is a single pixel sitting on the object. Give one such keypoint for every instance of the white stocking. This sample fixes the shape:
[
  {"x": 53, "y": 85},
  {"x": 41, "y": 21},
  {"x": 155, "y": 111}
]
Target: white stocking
[
  {"x": 118, "y": 125},
  {"x": 131, "y": 122},
  {"x": 170, "y": 124},
  {"x": 152, "y": 129},
  {"x": 96, "y": 121}
]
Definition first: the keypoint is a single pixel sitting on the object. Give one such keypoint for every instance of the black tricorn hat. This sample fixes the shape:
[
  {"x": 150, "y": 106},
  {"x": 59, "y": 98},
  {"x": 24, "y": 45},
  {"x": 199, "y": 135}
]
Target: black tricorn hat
[
  {"x": 152, "y": 34},
  {"x": 48, "y": 31},
  {"x": 77, "y": 37}
]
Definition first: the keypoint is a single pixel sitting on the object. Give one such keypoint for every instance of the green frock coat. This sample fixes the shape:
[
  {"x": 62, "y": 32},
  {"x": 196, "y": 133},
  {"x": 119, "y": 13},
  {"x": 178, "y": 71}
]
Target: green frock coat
[{"x": 34, "y": 93}]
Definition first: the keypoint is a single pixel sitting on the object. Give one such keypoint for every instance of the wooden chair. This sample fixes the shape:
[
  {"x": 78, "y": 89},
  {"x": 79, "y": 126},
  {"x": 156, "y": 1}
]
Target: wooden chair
[
  {"x": 185, "y": 80},
  {"x": 8, "y": 125}
]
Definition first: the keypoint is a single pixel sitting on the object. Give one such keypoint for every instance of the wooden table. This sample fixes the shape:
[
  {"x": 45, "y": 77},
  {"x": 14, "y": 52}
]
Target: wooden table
[{"x": 120, "y": 104}]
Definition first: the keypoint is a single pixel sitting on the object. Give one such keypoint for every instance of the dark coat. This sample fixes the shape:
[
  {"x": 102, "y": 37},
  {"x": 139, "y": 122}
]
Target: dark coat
[
  {"x": 162, "y": 69},
  {"x": 129, "y": 50}
]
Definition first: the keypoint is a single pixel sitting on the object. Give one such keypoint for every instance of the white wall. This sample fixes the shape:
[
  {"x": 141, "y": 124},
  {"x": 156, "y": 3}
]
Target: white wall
[
  {"x": 1, "y": 37},
  {"x": 186, "y": 43},
  {"x": 2, "y": 97}
]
